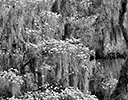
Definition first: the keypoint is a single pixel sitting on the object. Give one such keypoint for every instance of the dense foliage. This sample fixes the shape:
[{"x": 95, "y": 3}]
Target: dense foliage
[
  {"x": 49, "y": 48},
  {"x": 38, "y": 59}
]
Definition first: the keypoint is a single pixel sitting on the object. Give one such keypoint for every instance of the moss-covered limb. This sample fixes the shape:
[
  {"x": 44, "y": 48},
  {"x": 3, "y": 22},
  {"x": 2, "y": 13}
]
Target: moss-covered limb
[{"x": 111, "y": 55}]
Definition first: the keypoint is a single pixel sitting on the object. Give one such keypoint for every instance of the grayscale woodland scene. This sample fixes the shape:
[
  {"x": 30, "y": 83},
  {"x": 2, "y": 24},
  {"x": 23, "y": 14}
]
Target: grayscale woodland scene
[{"x": 63, "y": 49}]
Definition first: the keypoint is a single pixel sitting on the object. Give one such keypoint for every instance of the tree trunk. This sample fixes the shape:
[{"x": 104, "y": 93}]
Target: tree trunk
[{"x": 123, "y": 79}]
